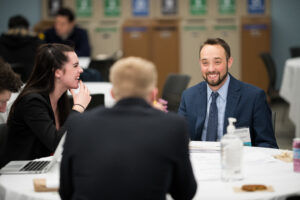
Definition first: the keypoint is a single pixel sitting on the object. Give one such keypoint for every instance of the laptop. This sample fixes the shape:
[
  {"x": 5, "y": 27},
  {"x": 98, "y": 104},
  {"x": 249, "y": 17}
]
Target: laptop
[{"x": 34, "y": 166}]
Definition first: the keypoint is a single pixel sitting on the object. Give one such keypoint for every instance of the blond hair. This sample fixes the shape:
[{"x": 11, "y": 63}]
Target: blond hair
[{"x": 133, "y": 77}]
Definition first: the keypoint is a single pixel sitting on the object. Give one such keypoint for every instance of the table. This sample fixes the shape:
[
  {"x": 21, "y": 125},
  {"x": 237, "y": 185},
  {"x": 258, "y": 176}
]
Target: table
[
  {"x": 259, "y": 168},
  {"x": 20, "y": 187},
  {"x": 290, "y": 90}
]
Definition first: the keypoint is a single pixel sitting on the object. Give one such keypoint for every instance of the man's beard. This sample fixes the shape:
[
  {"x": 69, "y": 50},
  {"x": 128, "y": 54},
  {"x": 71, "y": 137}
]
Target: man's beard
[{"x": 219, "y": 81}]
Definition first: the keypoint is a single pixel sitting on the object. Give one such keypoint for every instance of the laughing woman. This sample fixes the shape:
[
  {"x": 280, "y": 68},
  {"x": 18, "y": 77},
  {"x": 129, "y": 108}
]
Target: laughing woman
[{"x": 36, "y": 119}]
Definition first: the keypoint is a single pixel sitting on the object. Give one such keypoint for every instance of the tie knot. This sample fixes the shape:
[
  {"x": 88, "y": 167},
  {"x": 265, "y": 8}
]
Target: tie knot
[{"x": 214, "y": 95}]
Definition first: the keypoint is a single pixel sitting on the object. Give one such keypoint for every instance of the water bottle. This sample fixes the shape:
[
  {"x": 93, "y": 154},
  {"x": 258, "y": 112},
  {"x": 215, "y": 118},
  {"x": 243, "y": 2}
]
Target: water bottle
[{"x": 231, "y": 154}]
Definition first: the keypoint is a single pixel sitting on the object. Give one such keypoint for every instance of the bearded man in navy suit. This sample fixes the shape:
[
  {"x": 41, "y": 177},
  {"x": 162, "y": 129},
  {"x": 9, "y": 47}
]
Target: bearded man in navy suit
[{"x": 233, "y": 98}]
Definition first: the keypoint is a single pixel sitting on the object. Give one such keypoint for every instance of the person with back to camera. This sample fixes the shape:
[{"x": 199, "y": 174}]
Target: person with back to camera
[
  {"x": 37, "y": 117},
  {"x": 207, "y": 105},
  {"x": 131, "y": 151},
  {"x": 65, "y": 31}
]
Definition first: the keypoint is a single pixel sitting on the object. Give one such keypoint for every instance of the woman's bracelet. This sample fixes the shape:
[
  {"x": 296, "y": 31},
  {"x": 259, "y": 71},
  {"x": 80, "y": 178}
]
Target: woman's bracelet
[{"x": 77, "y": 104}]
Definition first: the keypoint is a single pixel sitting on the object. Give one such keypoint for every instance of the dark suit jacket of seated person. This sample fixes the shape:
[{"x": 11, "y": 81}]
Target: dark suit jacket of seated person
[
  {"x": 78, "y": 38},
  {"x": 130, "y": 151},
  {"x": 244, "y": 102},
  {"x": 37, "y": 117},
  {"x": 66, "y": 32}
]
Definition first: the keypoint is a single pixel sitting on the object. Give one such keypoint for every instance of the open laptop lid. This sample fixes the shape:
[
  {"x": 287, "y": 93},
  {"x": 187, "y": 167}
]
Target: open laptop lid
[{"x": 14, "y": 167}]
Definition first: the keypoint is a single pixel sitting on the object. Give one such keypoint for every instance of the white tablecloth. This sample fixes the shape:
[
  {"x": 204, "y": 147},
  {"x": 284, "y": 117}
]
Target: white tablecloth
[
  {"x": 290, "y": 90},
  {"x": 20, "y": 187},
  {"x": 259, "y": 168}
]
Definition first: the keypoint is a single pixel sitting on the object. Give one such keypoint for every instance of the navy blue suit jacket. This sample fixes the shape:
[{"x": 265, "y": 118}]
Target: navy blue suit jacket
[{"x": 245, "y": 102}]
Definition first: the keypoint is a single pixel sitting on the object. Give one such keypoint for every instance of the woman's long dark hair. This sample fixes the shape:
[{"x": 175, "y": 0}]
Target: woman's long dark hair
[{"x": 49, "y": 58}]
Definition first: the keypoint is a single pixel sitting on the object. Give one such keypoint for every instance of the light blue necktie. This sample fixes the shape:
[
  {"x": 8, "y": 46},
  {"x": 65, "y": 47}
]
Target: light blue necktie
[{"x": 212, "y": 126}]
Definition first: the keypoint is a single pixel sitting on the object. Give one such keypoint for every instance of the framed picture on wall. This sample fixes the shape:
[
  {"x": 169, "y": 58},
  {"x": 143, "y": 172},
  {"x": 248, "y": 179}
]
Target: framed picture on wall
[
  {"x": 83, "y": 8},
  {"x": 54, "y": 6},
  {"x": 256, "y": 6},
  {"x": 140, "y": 7},
  {"x": 169, "y": 7},
  {"x": 112, "y": 8}
]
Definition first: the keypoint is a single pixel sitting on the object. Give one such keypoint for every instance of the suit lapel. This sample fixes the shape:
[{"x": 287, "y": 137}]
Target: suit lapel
[
  {"x": 233, "y": 97},
  {"x": 201, "y": 107}
]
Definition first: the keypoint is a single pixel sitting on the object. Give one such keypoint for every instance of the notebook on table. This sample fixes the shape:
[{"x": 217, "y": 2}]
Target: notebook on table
[{"x": 34, "y": 166}]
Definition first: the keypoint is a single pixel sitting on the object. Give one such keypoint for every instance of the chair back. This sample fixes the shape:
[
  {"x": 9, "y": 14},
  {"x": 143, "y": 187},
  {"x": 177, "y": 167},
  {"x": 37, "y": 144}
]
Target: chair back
[
  {"x": 103, "y": 66},
  {"x": 24, "y": 70},
  {"x": 96, "y": 100},
  {"x": 91, "y": 75},
  {"x": 102, "y": 63},
  {"x": 173, "y": 88},
  {"x": 295, "y": 51},
  {"x": 271, "y": 69}
]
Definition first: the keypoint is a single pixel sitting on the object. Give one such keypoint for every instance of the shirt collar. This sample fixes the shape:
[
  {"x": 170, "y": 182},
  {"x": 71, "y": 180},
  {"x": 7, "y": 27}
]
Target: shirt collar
[{"x": 222, "y": 91}]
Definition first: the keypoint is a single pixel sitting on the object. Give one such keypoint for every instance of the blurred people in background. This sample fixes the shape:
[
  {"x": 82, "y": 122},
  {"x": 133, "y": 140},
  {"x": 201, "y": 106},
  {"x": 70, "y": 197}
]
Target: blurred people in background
[
  {"x": 9, "y": 82},
  {"x": 18, "y": 46},
  {"x": 130, "y": 151},
  {"x": 36, "y": 119},
  {"x": 65, "y": 31}
]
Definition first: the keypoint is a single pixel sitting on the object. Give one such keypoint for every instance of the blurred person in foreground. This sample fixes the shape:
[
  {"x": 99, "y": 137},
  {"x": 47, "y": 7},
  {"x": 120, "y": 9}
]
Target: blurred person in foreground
[
  {"x": 18, "y": 46},
  {"x": 37, "y": 117},
  {"x": 207, "y": 105},
  {"x": 65, "y": 31},
  {"x": 130, "y": 151}
]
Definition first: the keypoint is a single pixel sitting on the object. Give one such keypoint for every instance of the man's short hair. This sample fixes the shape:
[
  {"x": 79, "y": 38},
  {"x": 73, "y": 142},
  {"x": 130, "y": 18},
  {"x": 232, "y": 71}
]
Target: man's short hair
[
  {"x": 217, "y": 41},
  {"x": 133, "y": 77},
  {"x": 9, "y": 80},
  {"x": 18, "y": 21},
  {"x": 66, "y": 12}
]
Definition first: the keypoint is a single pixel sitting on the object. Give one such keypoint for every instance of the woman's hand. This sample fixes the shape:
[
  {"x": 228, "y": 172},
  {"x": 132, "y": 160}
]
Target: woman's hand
[{"x": 81, "y": 99}]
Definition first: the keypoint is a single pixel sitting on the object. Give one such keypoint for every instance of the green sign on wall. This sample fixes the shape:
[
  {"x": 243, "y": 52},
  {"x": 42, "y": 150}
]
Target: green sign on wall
[
  {"x": 84, "y": 8},
  {"x": 198, "y": 7},
  {"x": 194, "y": 28},
  {"x": 112, "y": 8},
  {"x": 227, "y": 6}
]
